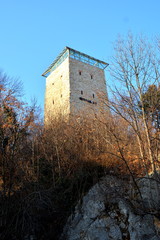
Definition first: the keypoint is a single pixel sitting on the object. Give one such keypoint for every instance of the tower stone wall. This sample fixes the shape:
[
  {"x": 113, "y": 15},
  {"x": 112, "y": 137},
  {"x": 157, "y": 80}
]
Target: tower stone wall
[
  {"x": 57, "y": 96},
  {"x": 75, "y": 87},
  {"x": 88, "y": 88}
]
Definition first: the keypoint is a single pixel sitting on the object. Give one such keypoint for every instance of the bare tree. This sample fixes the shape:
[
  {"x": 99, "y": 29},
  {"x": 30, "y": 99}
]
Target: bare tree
[{"x": 134, "y": 67}]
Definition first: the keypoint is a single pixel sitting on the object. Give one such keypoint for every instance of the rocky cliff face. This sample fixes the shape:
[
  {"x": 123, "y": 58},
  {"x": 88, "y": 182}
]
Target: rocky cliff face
[{"x": 112, "y": 211}]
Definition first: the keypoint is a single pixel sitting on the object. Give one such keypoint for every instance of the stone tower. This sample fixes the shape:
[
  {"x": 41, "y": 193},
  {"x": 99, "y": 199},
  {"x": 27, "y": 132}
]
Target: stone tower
[{"x": 75, "y": 86}]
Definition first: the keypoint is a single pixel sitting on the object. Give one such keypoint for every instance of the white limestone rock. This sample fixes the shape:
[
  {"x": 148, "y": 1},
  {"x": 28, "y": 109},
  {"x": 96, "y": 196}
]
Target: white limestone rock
[{"x": 106, "y": 214}]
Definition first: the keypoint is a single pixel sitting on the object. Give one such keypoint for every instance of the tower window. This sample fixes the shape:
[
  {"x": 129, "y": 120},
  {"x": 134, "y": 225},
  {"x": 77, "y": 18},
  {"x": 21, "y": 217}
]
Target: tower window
[
  {"x": 81, "y": 92},
  {"x": 52, "y": 83},
  {"x": 91, "y": 76},
  {"x": 93, "y": 95},
  {"x": 61, "y": 95},
  {"x": 53, "y": 101},
  {"x": 80, "y": 72}
]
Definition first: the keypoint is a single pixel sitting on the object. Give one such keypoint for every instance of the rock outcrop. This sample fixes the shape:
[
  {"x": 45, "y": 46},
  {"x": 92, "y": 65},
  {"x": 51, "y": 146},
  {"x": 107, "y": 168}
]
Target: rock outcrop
[
  {"x": 107, "y": 212},
  {"x": 150, "y": 191}
]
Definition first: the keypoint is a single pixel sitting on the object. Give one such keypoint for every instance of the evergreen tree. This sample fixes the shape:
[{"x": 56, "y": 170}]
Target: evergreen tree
[{"x": 151, "y": 101}]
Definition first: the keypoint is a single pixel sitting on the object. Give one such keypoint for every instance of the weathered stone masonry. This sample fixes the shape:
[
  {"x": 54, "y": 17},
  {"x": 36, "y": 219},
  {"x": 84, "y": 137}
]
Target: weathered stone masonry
[{"x": 75, "y": 86}]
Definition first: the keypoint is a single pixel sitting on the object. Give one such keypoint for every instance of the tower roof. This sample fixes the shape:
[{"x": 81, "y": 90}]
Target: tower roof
[{"x": 69, "y": 52}]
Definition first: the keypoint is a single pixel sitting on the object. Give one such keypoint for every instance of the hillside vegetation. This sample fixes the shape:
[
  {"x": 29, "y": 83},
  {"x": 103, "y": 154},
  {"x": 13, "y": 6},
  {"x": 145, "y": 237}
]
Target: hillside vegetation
[{"x": 44, "y": 172}]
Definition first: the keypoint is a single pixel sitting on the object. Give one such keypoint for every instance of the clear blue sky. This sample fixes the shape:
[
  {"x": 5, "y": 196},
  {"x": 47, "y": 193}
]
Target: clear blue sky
[{"x": 34, "y": 32}]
